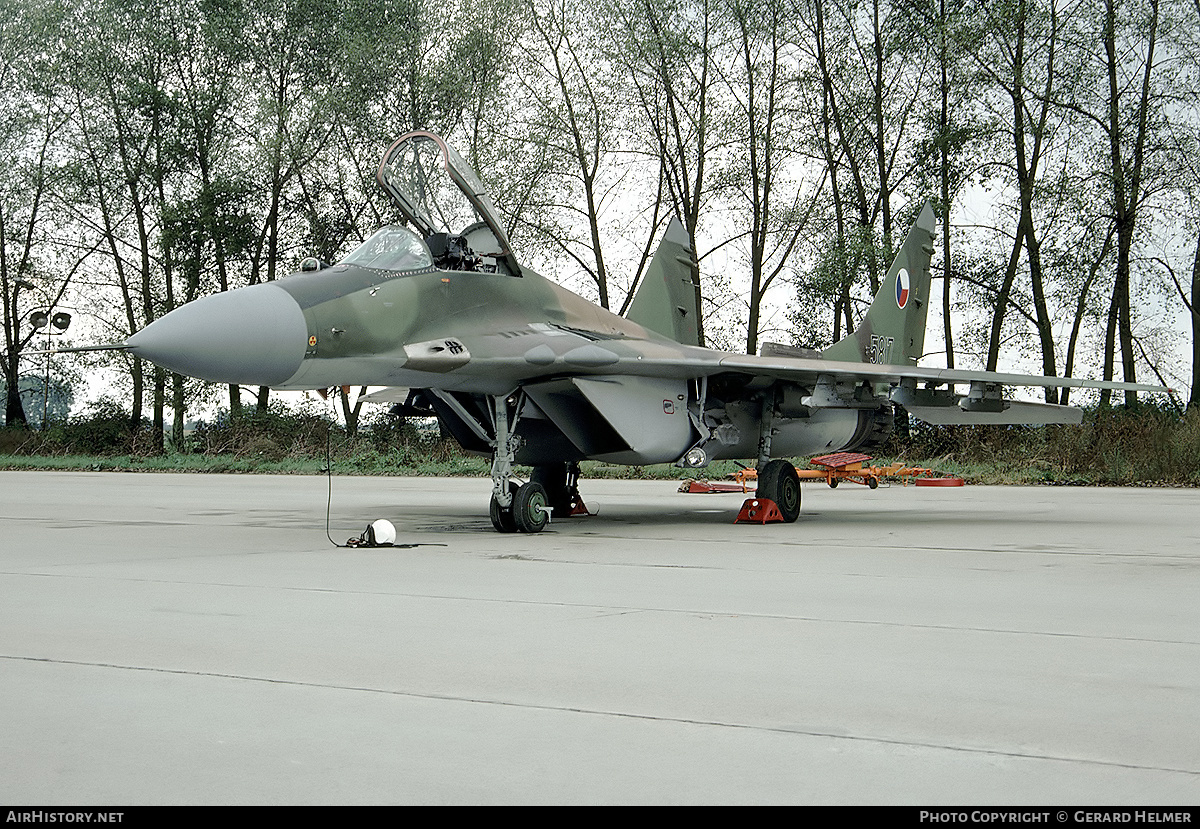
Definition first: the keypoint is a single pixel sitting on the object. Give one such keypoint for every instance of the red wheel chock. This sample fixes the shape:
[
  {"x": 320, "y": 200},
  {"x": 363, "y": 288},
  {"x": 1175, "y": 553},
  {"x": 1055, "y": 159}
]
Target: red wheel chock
[
  {"x": 579, "y": 509},
  {"x": 759, "y": 511},
  {"x": 573, "y": 508}
]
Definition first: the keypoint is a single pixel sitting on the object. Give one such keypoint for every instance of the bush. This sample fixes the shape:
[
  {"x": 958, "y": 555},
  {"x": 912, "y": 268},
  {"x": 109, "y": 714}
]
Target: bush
[
  {"x": 1142, "y": 445},
  {"x": 1148, "y": 444},
  {"x": 15, "y": 439},
  {"x": 252, "y": 432},
  {"x": 105, "y": 428}
]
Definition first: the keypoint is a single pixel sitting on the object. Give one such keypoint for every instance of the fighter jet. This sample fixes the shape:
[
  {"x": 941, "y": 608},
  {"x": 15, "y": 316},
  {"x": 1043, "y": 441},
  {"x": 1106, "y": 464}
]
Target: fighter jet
[{"x": 441, "y": 312}]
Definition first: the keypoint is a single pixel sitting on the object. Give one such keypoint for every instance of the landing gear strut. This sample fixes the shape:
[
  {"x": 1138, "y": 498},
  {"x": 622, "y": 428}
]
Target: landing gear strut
[
  {"x": 514, "y": 507},
  {"x": 777, "y": 480}
]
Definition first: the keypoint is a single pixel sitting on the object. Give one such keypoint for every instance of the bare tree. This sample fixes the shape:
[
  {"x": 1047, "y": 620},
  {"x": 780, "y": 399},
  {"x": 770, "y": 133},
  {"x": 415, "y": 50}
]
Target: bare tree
[
  {"x": 1127, "y": 111},
  {"x": 764, "y": 174},
  {"x": 667, "y": 52},
  {"x": 575, "y": 124},
  {"x": 33, "y": 116}
]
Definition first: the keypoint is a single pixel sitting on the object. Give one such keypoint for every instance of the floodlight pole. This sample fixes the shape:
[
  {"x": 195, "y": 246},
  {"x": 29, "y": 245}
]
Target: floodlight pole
[
  {"x": 46, "y": 383},
  {"x": 46, "y": 318}
]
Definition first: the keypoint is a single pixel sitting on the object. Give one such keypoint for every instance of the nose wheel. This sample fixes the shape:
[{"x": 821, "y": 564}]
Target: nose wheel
[
  {"x": 528, "y": 510},
  {"x": 502, "y": 517}
]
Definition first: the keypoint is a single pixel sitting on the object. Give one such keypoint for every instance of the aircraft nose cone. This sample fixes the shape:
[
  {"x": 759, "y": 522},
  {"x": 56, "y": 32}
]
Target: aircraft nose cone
[{"x": 254, "y": 336}]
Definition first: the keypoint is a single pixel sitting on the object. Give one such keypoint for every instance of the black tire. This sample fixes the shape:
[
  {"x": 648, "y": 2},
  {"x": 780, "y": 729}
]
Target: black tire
[
  {"x": 502, "y": 517},
  {"x": 833, "y": 482},
  {"x": 778, "y": 482},
  {"x": 529, "y": 508}
]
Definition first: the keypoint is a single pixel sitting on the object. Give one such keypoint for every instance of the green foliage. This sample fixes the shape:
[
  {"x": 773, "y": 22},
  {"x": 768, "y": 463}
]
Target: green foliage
[
  {"x": 1120, "y": 447},
  {"x": 269, "y": 435},
  {"x": 104, "y": 428},
  {"x": 35, "y": 400},
  {"x": 835, "y": 278},
  {"x": 163, "y": 150},
  {"x": 1145, "y": 446}
]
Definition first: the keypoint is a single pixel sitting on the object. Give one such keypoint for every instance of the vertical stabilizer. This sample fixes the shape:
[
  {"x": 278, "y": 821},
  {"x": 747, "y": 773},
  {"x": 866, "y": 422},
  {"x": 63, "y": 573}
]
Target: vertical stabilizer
[
  {"x": 893, "y": 331},
  {"x": 666, "y": 300}
]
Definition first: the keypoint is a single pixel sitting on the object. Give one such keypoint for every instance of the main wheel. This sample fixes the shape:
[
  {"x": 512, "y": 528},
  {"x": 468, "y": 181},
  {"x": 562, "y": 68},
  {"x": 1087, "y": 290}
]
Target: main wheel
[
  {"x": 502, "y": 517},
  {"x": 530, "y": 508},
  {"x": 778, "y": 482}
]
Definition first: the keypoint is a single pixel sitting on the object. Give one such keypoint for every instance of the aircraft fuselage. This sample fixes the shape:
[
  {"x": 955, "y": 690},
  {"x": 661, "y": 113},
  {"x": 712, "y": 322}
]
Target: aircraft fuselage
[{"x": 600, "y": 386}]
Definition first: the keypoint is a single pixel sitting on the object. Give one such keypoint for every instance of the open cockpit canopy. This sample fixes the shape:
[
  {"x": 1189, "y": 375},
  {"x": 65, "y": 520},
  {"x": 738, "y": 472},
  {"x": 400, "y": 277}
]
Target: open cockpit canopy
[{"x": 441, "y": 197}]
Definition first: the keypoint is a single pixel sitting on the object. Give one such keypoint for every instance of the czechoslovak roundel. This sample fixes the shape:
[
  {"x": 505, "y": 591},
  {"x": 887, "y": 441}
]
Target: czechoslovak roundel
[{"x": 902, "y": 289}]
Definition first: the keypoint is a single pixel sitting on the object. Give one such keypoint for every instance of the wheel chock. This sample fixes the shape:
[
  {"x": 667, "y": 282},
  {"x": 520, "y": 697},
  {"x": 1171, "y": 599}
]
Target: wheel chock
[
  {"x": 759, "y": 511},
  {"x": 579, "y": 509},
  {"x": 574, "y": 508}
]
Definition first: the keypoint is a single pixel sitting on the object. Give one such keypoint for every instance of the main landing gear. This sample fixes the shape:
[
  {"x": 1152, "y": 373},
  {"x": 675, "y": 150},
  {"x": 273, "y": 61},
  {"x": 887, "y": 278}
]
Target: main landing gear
[
  {"x": 777, "y": 479},
  {"x": 778, "y": 482},
  {"x": 561, "y": 482}
]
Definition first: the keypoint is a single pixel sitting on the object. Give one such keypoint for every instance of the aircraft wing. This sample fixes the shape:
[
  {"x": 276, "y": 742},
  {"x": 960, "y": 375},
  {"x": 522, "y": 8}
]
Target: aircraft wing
[
  {"x": 802, "y": 369},
  {"x": 930, "y": 394},
  {"x": 835, "y": 385}
]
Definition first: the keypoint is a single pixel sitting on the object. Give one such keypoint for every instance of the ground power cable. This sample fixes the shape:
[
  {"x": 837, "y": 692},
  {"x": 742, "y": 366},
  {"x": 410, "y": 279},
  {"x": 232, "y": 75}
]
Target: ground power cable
[{"x": 367, "y": 539}]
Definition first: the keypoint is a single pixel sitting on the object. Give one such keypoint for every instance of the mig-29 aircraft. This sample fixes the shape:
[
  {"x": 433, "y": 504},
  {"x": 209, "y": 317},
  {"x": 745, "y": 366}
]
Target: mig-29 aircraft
[{"x": 516, "y": 367}]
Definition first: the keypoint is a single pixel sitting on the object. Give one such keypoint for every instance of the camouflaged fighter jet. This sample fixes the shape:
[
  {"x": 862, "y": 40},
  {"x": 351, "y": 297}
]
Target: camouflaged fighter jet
[{"x": 444, "y": 314}]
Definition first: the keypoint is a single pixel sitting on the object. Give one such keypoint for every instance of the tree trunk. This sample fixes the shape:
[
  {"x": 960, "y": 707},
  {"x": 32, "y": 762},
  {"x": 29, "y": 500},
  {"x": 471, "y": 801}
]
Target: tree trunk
[
  {"x": 944, "y": 159},
  {"x": 177, "y": 406},
  {"x": 1194, "y": 399},
  {"x": 1110, "y": 346},
  {"x": 1010, "y": 275},
  {"x": 14, "y": 411},
  {"x": 1080, "y": 309}
]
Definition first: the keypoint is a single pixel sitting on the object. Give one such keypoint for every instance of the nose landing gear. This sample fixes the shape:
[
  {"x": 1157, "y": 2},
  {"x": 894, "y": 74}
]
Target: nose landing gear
[
  {"x": 524, "y": 507},
  {"x": 528, "y": 510}
]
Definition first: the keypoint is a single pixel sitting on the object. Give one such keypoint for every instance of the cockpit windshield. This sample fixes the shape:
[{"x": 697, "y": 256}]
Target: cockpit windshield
[{"x": 392, "y": 248}]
